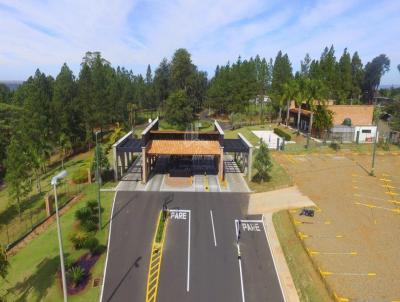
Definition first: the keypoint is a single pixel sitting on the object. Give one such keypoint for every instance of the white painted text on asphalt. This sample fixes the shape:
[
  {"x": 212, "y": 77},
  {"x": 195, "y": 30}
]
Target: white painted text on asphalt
[
  {"x": 179, "y": 215},
  {"x": 251, "y": 227}
]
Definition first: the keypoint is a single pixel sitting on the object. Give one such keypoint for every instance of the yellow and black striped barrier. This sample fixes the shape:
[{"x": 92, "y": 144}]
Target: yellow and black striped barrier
[{"x": 155, "y": 264}]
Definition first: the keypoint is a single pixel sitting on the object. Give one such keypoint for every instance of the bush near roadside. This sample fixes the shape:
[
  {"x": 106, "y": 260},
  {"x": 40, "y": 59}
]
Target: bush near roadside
[
  {"x": 84, "y": 238},
  {"x": 79, "y": 176},
  {"x": 283, "y": 134}
]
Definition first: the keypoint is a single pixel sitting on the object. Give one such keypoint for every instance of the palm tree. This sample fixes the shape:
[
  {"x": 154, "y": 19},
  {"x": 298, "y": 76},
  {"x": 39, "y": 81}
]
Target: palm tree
[
  {"x": 300, "y": 97},
  {"x": 290, "y": 90},
  {"x": 314, "y": 91}
]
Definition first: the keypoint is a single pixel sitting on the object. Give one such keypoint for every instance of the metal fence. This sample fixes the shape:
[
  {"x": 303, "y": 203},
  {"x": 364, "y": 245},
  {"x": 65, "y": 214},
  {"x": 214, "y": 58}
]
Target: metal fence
[{"x": 22, "y": 225}]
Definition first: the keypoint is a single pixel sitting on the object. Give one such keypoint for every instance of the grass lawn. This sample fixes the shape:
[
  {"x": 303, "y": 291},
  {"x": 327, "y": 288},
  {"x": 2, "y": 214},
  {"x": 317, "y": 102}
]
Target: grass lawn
[
  {"x": 34, "y": 203},
  {"x": 279, "y": 178},
  {"x": 246, "y": 131},
  {"x": 308, "y": 282},
  {"x": 33, "y": 270}
]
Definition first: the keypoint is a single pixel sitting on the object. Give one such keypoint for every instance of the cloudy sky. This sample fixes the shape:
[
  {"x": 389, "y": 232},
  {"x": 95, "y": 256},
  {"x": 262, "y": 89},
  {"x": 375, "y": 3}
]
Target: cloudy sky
[{"x": 133, "y": 33}]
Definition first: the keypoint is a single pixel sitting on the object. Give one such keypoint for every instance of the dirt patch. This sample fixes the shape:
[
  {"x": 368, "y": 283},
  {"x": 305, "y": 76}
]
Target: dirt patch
[{"x": 353, "y": 237}]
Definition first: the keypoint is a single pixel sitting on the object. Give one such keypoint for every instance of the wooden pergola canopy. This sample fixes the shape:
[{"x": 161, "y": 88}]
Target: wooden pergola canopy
[{"x": 183, "y": 148}]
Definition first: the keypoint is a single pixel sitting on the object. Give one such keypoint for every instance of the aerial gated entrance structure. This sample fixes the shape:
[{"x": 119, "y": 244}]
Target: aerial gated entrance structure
[{"x": 179, "y": 153}]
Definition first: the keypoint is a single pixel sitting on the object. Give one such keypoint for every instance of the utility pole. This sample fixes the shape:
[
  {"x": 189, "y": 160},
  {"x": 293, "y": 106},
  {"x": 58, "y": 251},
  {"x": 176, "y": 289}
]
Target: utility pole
[
  {"x": 98, "y": 179},
  {"x": 372, "y": 173}
]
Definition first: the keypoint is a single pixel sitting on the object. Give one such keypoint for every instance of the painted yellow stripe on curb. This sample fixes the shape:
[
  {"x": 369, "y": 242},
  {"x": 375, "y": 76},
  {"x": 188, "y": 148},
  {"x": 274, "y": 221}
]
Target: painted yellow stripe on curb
[{"x": 153, "y": 274}]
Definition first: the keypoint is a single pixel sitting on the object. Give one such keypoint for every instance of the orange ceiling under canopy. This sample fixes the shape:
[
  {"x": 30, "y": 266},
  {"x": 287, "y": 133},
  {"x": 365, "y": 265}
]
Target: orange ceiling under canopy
[{"x": 183, "y": 147}]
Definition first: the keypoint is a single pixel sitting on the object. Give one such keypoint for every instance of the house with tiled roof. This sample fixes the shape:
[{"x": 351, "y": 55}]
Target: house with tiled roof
[{"x": 351, "y": 123}]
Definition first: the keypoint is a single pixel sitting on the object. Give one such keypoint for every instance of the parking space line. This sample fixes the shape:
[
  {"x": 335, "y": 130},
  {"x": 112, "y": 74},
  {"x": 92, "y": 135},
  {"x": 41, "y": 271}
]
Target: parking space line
[
  {"x": 239, "y": 259},
  {"x": 311, "y": 252},
  {"x": 213, "y": 229},
  {"x": 371, "y": 206},
  {"x": 188, "y": 262}
]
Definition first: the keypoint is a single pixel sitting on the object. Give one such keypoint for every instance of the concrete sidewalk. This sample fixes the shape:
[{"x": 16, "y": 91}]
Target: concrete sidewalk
[{"x": 267, "y": 203}]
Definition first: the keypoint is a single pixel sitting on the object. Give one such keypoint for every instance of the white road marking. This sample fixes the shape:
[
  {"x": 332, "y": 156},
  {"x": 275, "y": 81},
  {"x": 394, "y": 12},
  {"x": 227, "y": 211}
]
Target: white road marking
[
  {"x": 212, "y": 223},
  {"x": 273, "y": 259},
  {"x": 108, "y": 247},
  {"x": 188, "y": 263},
  {"x": 188, "y": 271},
  {"x": 239, "y": 259}
]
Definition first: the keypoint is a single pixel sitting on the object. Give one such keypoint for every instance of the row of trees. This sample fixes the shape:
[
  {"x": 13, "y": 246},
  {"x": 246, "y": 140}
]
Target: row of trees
[
  {"x": 345, "y": 80},
  {"x": 46, "y": 114},
  {"x": 61, "y": 114}
]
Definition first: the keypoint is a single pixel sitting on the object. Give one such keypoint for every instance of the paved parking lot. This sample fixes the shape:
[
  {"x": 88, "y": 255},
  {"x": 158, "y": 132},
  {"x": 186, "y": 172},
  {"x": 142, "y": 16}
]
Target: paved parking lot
[{"x": 201, "y": 260}]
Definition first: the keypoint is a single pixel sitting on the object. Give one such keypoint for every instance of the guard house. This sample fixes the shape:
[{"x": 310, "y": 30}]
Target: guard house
[{"x": 179, "y": 153}]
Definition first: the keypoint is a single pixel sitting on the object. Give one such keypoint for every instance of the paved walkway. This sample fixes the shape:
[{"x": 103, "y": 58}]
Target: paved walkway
[{"x": 267, "y": 203}]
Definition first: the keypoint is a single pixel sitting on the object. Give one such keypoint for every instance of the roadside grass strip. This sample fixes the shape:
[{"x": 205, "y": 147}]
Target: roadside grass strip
[{"x": 155, "y": 259}]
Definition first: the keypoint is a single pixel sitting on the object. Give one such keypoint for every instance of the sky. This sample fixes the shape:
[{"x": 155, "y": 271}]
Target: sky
[{"x": 133, "y": 33}]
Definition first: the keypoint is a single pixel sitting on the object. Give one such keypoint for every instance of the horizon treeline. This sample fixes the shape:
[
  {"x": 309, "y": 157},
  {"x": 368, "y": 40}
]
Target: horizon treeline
[{"x": 45, "y": 113}]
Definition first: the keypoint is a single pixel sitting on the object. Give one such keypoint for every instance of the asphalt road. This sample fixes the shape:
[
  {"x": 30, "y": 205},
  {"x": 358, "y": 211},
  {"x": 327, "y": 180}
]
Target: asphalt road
[{"x": 213, "y": 273}]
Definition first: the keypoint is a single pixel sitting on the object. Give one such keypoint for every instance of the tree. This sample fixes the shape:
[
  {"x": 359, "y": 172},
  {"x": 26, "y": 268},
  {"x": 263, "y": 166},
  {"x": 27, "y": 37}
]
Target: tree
[
  {"x": 162, "y": 81},
  {"x": 301, "y": 96},
  {"x": 398, "y": 67},
  {"x": 357, "y": 75},
  {"x": 314, "y": 92},
  {"x": 182, "y": 69},
  {"x": 179, "y": 111},
  {"x": 17, "y": 176},
  {"x": 323, "y": 119},
  {"x": 5, "y": 93},
  {"x": 329, "y": 72},
  {"x": 4, "y": 264},
  {"x": 66, "y": 147},
  {"x": 374, "y": 71},
  {"x": 305, "y": 65},
  {"x": 290, "y": 91},
  {"x": 104, "y": 164},
  {"x": 345, "y": 77},
  {"x": 262, "y": 162},
  {"x": 281, "y": 73},
  {"x": 149, "y": 75},
  {"x": 64, "y": 113}
]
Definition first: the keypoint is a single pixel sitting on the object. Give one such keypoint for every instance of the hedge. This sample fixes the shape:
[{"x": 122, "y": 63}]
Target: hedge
[{"x": 282, "y": 133}]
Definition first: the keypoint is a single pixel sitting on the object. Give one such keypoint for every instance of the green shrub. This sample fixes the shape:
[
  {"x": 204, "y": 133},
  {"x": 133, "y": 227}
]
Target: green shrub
[
  {"x": 88, "y": 216},
  {"x": 92, "y": 244},
  {"x": 68, "y": 263},
  {"x": 90, "y": 225},
  {"x": 76, "y": 274},
  {"x": 83, "y": 214},
  {"x": 79, "y": 238},
  {"x": 79, "y": 176},
  {"x": 283, "y": 134},
  {"x": 335, "y": 146},
  {"x": 384, "y": 145}
]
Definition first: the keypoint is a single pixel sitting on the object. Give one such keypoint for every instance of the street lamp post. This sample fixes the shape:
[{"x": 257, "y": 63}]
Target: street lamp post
[
  {"x": 54, "y": 181},
  {"x": 98, "y": 179}
]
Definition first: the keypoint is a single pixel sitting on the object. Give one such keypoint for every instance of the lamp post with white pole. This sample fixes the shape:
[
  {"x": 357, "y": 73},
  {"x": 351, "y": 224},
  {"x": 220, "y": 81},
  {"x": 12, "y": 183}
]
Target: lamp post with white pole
[
  {"x": 98, "y": 175},
  {"x": 54, "y": 182}
]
